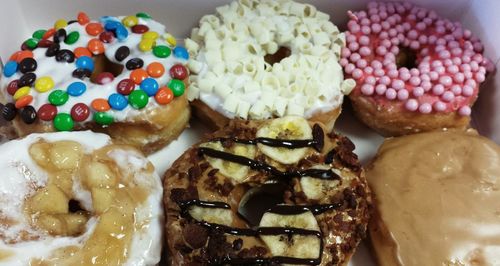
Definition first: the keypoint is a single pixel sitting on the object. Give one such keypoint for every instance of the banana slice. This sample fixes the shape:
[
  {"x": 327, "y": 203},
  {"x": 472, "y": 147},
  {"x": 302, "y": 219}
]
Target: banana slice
[
  {"x": 316, "y": 188},
  {"x": 297, "y": 246},
  {"x": 288, "y": 128},
  {"x": 212, "y": 215},
  {"x": 234, "y": 171}
]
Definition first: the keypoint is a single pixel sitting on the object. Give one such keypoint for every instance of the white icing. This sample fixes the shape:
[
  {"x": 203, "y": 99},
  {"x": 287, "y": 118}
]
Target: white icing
[
  {"x": 61, "y": 72},
  {"x": 227, "y": 60},
  {"x": 19, "y": 170}
]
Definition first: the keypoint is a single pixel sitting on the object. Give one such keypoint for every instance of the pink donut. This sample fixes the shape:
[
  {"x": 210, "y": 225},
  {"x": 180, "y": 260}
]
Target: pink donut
[{"x": 442, "y": 79}]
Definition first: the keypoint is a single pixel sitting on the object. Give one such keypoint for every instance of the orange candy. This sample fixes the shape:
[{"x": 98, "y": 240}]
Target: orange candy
[
  {"x": 95, "y": 46},
  {"x": 94, "y": 28},
  {"x": 138, "y": 75},
  {"x": 83, "y": 18},
  {"x": 164, "y": 96},
  {"x": 20, "y": 55},
  {"x": 82, "y": 51},
  {"x": 23, "y": 101},
  {"x": 100, "y": 105},
  {"x": 155, "y": 69},
  {"x": 49, "y": 33}
]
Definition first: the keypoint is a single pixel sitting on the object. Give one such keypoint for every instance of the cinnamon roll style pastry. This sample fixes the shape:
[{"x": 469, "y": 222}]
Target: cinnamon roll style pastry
[{"x": 271, "y": 192}]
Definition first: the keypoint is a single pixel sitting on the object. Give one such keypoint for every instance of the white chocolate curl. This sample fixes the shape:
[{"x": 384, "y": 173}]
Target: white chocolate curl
[{"x": 234, "y": 78}]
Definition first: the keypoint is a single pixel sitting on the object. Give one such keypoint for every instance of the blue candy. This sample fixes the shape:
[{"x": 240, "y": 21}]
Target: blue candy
[
  {"x": 121, "y": 33},
  {"x": 181, "y": 52},
  {"x": 85, "y": 62},
  {"x": 76, "y": 88},
  {"x": 105, "y": 19},
  {"x": 149, "y": 86},
  {"x": 111, "y": 25},
  {"x": 10, "y": 68},
  {"x": 117, "y": 101}
]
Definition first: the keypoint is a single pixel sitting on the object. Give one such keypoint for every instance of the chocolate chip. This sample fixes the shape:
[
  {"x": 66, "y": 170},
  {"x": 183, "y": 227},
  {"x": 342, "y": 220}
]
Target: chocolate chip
[
  {"x": 60, "y": 35},
  {"x": 194, "y": 172},
  {"x": 212, "y": 172},
  {"x": 81, "y": 73},
  {"x": 28, "y": 114},
  {"x": 195, "y": 235},
  {"x": 26, "y": 80},
  {"x": 319, "y": 137},
  {"x": 237, "y": 244},
  {"x": 65, "y": 55},
  {"x": 9, "y": 111},
  {"x": 52, "y": 50},
  {"x": 122, "y": 53},
  {"x": 27, "y": 65},
  {"x": 134, "y": 63},
  {"x": 181, "y": 194}
]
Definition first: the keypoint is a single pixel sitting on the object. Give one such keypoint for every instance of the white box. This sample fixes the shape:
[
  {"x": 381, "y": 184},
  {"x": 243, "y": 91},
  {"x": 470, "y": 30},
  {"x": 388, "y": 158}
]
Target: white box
[{"x": 20, "y": 18}]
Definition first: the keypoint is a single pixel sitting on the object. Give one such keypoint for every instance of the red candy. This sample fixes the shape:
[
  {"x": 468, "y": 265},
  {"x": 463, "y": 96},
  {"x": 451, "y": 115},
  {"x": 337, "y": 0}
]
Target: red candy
[
  {"x": 47, "y": 112},
  {"x": 45, "y": 43},
  {"x": 178, "y": 72},
  {"x": 104, "y": 78},
  {"x": 106, "y": 37},
  {"x": 125, "y": 86},
  {"x": 80, "y": 112},
  {"x": 12, "y": 87},
  {"x": 83, "y": 18},
  {"x": 139, "y": 29}
]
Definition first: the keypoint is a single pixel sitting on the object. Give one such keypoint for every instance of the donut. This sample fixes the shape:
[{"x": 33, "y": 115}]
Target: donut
[
  {"x": 77, "y": 198},
  {"x": 414, "y": 70},
  {"x": 265, "y": 59},
  {"x": 266, "y": 192},
  {"x": 123, "y": 76},
  {"x": 436, "y": 200}
]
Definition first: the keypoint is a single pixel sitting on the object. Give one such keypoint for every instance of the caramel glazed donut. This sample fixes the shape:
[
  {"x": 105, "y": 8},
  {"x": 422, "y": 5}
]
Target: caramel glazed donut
[
  {"x": 123, "y": 76},
  {"x": 267, "y": 192},
  {"x": 266, "y": 59},
  {"x": 78, "y": 199},
  {"x": 414, "y": 71}
]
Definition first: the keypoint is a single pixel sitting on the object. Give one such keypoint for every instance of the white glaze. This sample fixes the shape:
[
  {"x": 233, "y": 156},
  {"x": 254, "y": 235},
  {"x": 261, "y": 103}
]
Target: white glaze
[
  {"x": 19, "y": 170},
  {"x": 61, "y": 72},
  {"x": 231, "y": 79}
]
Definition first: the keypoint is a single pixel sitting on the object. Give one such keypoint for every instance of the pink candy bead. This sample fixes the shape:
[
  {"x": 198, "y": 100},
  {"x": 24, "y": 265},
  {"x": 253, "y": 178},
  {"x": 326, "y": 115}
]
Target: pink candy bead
[
  {"x": 464, "y": 111},
  {"x": 445, "y": 80},
  {"x": 448, "y": 96},
  {"x": 357, "y": 73},
  {"x": 349, "y": 68},
  {"x": 418, "y": 91},
  {"x": 403, "y": 94},
  {"x": 385, "y": 80},
  {"x": 456, "y": 89},
  {"x": 370, "y": 80},
  {"x": 411, "y": 105},
  {"x": 425, "y": 108},
  {"x": 380, "y": 89},
  {"x": 391, "y": 94},
  {"x": 467, "y": 91},
  {"x": 415, "y": 81},
  {"x": 439, "y": 106},
  {"x": 438, "y": 89},
  {"x": 367, "y": 89},
  {"x": 397, "y": 84}
]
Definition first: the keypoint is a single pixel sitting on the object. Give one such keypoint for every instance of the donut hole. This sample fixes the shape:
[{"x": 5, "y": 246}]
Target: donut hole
[
  {"x": 103, "y": 64},
  {"x": 280, "y": 54},
  {"x": 74, "y": 206},
  {"x": 406, "y": 57},
  {"x": 256, "y": 201}
]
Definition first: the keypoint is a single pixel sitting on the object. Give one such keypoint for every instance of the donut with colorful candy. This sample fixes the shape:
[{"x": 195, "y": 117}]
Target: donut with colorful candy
[
  {"x": 414, "y": 70},
  {"x": 123, "y": 76}
]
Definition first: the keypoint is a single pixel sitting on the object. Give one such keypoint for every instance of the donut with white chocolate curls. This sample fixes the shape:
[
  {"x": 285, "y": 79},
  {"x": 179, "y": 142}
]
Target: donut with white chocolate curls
[
  {"x": 414, "y": 70},
  {"x": 265, "y": 59},
  {"x": 266, "y": 192}
]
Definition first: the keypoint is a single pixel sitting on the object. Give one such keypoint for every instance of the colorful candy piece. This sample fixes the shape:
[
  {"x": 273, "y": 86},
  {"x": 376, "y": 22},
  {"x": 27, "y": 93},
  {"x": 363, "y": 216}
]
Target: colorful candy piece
[
  {"x": 58, "y": 97},
  {"x": 27, "y": 79},
  {"x": 102, "y": 118},
  {"x": 147, "y": 45},
  {"x": 161, "y": 51},
  {"x": 83, "y": 18},
  {"x": 47, "y": 112},
  {"x": 10, "y": 68},
  {"x": 95, "y": 46},
  {"x": 149, "y": 86},
  {"x": 28, "y": 114},
  {"x": 130, "y": 21},
  {"x": 125, "y": 86},
  {"x": 12, "y": 87},
  {"x": 9, "y": 111},
  {"x": 155, "y": 69},
  {"x": 117, "y": 101},
  {"x": 100, "y": 105},
  {"x": 164, "y": 96},
  {"x": 138, "y": 75},
  {"x": 65, "y": 55},
  {"x": 104, "y": 78},
  {"x": 139, "y": 29},
  {"x": 31, "y": 43},
  {"x": 134, "y": 63},
  {"x": 27, "y": 65},
  {"x": 82, "y": 51},
  {"x": 122, "y": 53},
  {"x": 44, "y": 84},
  {"x": 23, "y": 101},
  {"x": 121, "y": 33},
  {"x": 72, "y": 37},
  {"x": 106, "y": 37},
  {"x": 63, "y": 122},
  {"x": 178, "y": 71},
  {"x": 181, "y": 52},
  {"x": 138, "y": 99},
  {"x": 143, "y": 15},
  {"x": 177, "y": 87},
  {"x": 60, "y": 23},
  {"x": 94, "y": 28},
  {"x": 38, "y": 34},
  {"x": 80, "y": 112},
  {"x": 76, "y": 88},
  {"x": 21, "y": 92}
]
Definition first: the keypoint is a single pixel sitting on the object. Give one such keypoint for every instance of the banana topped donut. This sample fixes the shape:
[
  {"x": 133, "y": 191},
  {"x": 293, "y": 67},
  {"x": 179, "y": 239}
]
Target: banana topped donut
[
  {"x": 436, "y": 198},
  {"x": 264, "y": 59},
  {"x": 120, "y": 75},
  {"x": 268, "y": 192},
  {"x": 78, "y": 199},
  {"x": 414, "y": 70}
]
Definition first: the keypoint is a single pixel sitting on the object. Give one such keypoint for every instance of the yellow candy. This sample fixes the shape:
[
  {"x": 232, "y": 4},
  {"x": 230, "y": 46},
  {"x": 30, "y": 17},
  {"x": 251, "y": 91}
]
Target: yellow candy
[
  {"x": 61, "y": 23},
  {"x": 44, "y": 84},
  {"x": 150, "y": 35},
  {"x": 130, "y": 21},
  {"x": 21, "y": 92},
  {"x": 170, "y": 39},
  {"x": 146, "y": 45}
]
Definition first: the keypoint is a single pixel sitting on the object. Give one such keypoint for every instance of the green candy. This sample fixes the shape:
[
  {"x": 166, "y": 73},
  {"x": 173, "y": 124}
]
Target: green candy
[
  {"x": 161, "y": 51},
  {"x": 31, "y": 43},
  {"x": 177, "y": 87},
  {"x": 72, "y": 37},
  {"x": 138, "y": 99},
  {"x": 63, "y": 122},
  {"x": 143, "y": 15},
  {"x": 39, "y": 34},
  {"x": 103, "y": 118},
  {"x": 58, "y": 97}
]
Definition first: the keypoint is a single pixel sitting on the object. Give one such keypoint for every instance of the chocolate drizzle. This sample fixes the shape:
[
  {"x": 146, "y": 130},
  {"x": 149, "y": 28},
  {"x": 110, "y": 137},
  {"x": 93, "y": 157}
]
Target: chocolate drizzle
[
  {"x": 299, "y": 209},
  {"x": 262, "y": 166},
  {"x": 317, "y": 142}
]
